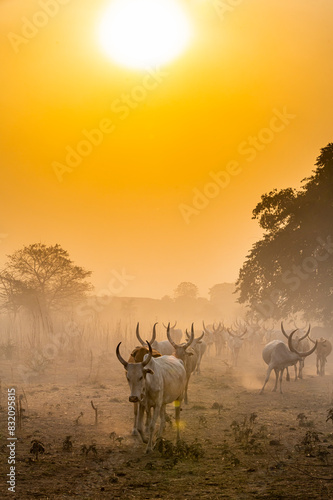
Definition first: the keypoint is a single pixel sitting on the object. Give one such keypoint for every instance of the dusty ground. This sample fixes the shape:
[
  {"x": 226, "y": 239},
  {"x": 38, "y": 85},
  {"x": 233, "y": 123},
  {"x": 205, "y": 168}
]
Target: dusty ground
[{"x": 244, "y": 446}]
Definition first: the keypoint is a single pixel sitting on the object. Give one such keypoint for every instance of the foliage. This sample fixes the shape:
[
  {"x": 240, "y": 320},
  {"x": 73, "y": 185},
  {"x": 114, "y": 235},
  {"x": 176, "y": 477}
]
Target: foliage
[
  {"x": 181, "y": 450},
  {"x": 186, "y": 289},
  {"x": 41, "y": 279},
  {"x": 290, "y": 269}
]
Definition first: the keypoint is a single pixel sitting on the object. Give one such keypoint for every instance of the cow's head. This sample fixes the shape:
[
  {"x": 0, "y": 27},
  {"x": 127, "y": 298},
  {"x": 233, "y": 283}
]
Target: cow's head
[
  {"x": 136, "y": 374},
  {"x": 180, "y": 349}
]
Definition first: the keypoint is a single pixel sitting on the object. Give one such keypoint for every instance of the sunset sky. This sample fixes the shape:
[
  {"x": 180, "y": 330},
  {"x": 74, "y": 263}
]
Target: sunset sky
[{"x": 249, "y": 101}]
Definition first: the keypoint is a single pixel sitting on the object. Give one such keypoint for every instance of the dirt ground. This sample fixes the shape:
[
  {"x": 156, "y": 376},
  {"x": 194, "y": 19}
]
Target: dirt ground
[{"x": 236, "y": 444}]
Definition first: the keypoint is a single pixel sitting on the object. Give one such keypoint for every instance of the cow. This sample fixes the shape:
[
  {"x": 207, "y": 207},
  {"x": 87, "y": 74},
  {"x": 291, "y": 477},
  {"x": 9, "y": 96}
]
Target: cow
[
  {"x": 164, "y": 347},
  {"x": 301, "y": 344},
  {"x": 278, "y": 357},
  {"x": 199, "y": 346},
  {"x": 215, "y": 335},
  {"x": 189, "y": 358},
  {"x": 235, "y": 343},
  {"x": 324, "y": 348},
  {"x": 154, "y": 383},
  {"x": 137, "y": 356},
  {"x": 176, "y": 333}
]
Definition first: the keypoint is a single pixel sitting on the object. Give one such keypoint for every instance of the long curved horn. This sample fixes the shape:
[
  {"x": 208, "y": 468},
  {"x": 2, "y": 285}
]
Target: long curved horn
[
  {"x": 150, "y": 354},
  {"x": 189, "y": 342},
  {"x": 119, "y": 356},
  {"x": 201, "y": 337},
  {"x": 311, "y": 340},
  {"x": 154, "y": 333},
  {"x": 232, "y": 334},
  {"x": 244, "y": 333},
  {"x": 174, "y": 345},
  {"x": 283, "y": 331},
  {"x": 206, "y": 329},
  {"x": 171, "y": 327},
  {"x": 307, "y": 333},
  {"x": 300, "y": 354},
  {"x": 138, "y": 335}
]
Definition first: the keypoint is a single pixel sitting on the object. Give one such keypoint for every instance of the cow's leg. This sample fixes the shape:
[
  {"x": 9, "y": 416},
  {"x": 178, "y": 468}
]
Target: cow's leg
[
  {"x": 295, "y": 368},
  {"x": 139, "y": 422},
  {"x": 266, "y": 379},
  {"x": 280, "y": 380},
  {"x": 276, "y": 378},
  {"x": 300, "y": 370},
  {"x": 177, "y": 417},
  {"x": 287, "y": 376},
  {"x": 152, "y": 428},
  {"x": 185, "y": 398},
  {"x": 162, "y": 420},
  {"x": 135, "y": 424}
]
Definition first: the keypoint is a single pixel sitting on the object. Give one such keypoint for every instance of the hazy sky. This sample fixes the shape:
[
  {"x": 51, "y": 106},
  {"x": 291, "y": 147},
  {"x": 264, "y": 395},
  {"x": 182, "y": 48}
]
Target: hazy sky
[{"x": 251, "y": 96}]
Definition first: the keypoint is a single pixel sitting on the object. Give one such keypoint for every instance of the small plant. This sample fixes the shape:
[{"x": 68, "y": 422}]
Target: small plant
[
  {"x": 330, "y": 415},
  {"x": 303, "y": 420},
  {"x": 76, "y": 421},
  {"x": 87, "y": 449},
  {"x": 36, "y": 448},
  {"x": 180, "y": 451},
  {"x": 67, "y": 445},
  {"x": 309, "y": 443},
  {"x": 202, "y": 421}
]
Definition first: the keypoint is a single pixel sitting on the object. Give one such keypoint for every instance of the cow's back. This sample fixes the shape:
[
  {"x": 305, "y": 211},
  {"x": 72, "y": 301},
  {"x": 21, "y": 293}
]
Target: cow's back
[{"x": 169, "y": 377}]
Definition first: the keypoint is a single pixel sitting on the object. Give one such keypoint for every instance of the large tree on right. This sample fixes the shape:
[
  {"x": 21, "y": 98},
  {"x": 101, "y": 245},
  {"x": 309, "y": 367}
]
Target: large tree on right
[{"x": 290, "y": 270}]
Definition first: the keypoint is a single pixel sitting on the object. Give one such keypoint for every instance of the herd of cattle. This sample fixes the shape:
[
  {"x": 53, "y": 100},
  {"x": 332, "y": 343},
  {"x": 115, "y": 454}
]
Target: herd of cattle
[{"x": 158, "y": 373}]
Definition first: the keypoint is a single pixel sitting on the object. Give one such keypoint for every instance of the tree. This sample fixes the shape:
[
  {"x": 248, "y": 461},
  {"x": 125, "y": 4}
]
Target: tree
[
  {"x": 186, "y": 289},
  {"x": 290, "y": 269},
  {"x": 42, "y": 279}
]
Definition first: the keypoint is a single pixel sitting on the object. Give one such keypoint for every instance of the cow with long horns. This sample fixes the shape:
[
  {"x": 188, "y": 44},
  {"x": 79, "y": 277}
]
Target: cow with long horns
[
  {"x": 137, "y": 356},
  {"x": 164, "y": 347},
  {"x": 278, "y": 357},
  {"x": 154, "y": 383},
  {"x": 189, "y": 357},
  {"x": 301, "y": 344}
]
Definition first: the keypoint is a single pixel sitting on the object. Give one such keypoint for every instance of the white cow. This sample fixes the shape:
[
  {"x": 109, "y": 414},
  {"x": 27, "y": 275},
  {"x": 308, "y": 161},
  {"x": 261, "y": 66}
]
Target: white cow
[
  {"x": 176, "y": 333},
  {"x": 163, "y": 347},
  {"x": 278, "y": 357},
  {"x": 154, "y": 383}
]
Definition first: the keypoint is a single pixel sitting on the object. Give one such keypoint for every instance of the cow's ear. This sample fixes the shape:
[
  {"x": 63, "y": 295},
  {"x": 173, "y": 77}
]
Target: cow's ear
[{"x": 147, "y": 370}]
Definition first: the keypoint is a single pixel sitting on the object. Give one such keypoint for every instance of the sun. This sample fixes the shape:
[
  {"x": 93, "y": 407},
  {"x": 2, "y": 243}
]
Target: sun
[{"x": 143, "y": 33}]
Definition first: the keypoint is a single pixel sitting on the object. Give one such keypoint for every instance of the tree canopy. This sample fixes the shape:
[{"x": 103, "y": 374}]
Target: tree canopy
[
  {"x": 186, "y": 289},
  {"x": 290, "y": 269},
  {"x": 41, "y": 279}
]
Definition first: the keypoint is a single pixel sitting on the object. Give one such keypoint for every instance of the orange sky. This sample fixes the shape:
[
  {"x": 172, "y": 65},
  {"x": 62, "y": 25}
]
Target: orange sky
[{"x": 122, "y": 206}]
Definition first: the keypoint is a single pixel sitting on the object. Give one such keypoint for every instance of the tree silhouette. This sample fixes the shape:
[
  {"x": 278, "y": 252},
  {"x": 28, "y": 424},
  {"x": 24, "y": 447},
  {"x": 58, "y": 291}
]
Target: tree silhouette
[
  {"x": 186, "y": 289},
  {"x": 290, "y": 269},
  {"x": 41, "y": 279}
]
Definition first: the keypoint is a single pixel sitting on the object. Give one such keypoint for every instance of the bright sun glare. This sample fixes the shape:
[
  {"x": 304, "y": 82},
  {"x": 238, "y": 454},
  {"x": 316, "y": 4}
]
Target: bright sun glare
[{"x": 142, "y": 33}]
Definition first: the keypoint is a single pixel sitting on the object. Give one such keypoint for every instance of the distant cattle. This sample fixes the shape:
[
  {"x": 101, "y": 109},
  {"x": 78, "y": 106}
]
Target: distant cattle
[
  {"x": 324, "y": 349},
  {"x": 188, "y": 356}
]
